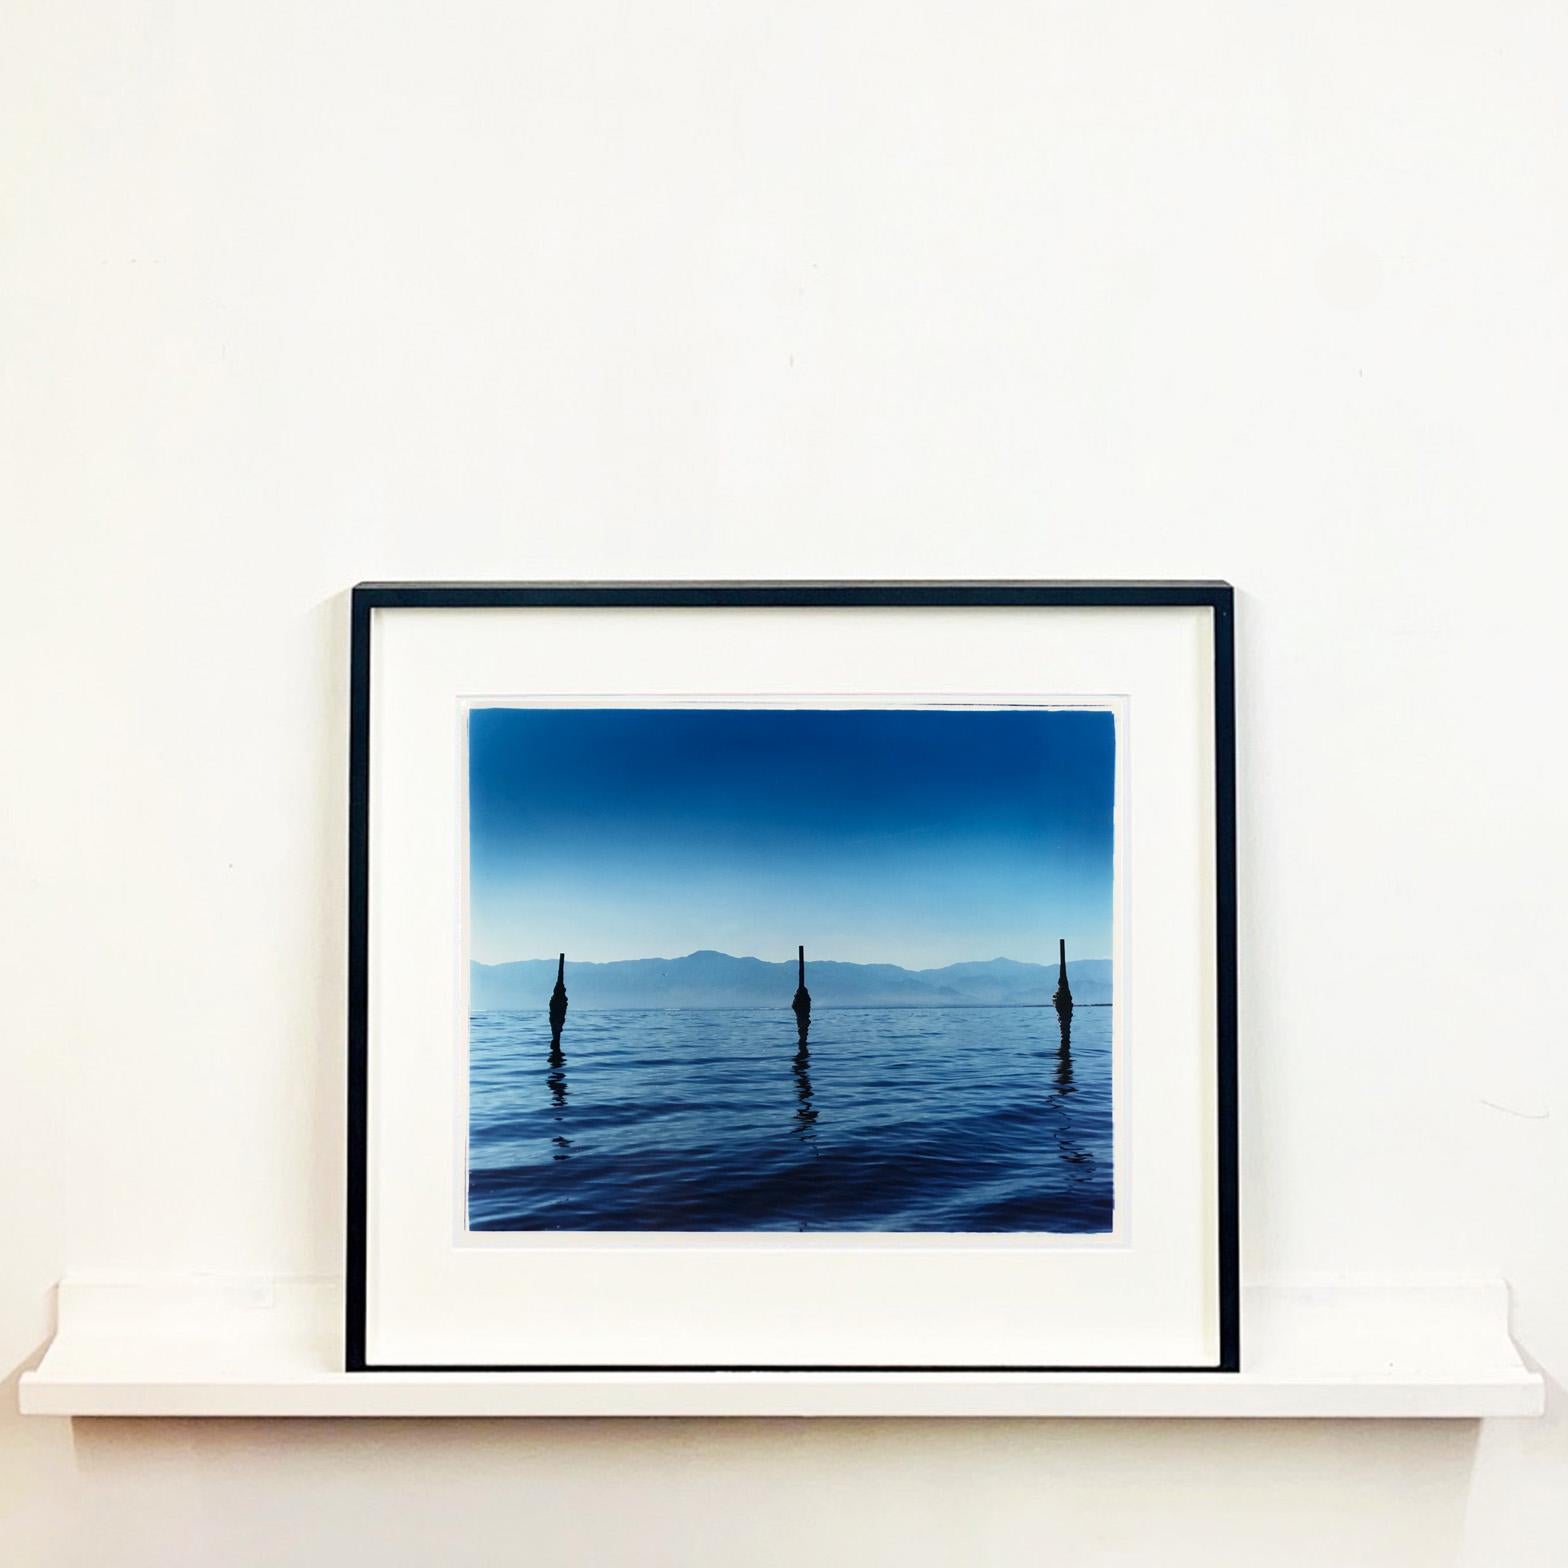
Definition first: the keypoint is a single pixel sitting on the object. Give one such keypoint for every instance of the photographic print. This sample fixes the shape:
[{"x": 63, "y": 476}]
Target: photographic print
[{"x": 791, "y": 968}]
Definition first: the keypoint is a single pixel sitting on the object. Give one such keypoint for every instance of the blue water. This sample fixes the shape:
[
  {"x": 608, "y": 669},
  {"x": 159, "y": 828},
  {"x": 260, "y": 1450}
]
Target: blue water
[{"x": 894, "y": 1119}]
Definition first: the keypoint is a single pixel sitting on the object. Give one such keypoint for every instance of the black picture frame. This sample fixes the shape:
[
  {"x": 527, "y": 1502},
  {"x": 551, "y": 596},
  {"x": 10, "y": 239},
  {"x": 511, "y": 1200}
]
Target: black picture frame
[{"x": 1216, "y": 596}]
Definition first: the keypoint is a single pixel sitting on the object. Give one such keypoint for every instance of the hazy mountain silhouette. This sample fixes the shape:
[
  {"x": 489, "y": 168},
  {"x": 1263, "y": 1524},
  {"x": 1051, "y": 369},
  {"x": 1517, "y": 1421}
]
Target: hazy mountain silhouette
[{"x": 709, "y": 979}]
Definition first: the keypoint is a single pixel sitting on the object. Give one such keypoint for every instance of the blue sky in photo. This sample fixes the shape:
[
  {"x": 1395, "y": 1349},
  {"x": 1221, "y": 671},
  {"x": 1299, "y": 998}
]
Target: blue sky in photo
[{"x": 918, "y": 837}]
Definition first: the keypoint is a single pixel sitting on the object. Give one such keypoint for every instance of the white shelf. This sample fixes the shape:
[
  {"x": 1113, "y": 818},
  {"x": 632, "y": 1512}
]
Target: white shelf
[{"x": 216, "y": 1347}]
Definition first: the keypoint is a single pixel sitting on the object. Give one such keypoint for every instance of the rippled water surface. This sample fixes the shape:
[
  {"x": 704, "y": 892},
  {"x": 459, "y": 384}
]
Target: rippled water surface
[{"x": 893, "y": 1119}]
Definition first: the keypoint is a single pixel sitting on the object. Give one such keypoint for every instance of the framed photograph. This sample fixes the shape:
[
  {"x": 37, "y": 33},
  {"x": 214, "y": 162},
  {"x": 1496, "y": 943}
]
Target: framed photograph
[{"x": 792, "y": 976}]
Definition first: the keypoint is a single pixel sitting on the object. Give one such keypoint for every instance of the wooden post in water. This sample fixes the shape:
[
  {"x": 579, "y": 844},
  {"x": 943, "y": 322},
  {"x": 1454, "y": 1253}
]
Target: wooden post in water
[
  {"x": 558, "y": 1006},
  {"x": 802, "y": 1003},
  {"x": 1063, "y": 1000}
]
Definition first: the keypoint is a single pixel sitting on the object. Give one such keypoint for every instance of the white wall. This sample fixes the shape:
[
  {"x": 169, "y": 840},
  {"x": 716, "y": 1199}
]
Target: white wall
[{"x": 296, "y": 294}]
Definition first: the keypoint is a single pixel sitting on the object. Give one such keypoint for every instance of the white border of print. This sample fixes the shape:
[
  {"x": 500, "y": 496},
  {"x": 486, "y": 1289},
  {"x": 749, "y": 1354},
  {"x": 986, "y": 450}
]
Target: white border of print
[{"x": 575, "y": 1299}]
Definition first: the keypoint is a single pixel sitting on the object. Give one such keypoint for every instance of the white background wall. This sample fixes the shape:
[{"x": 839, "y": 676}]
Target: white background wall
[{"x": 296, "y": 294}]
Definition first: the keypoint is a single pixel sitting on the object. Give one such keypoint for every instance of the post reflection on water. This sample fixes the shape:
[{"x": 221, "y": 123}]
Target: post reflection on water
[
  {"x": 805, "y": 1111},
  {"x": 1068, "y": 1145},
  {"x": 556, "y": 1081}
]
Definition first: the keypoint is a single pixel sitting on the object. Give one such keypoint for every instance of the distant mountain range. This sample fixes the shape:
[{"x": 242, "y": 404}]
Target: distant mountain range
[{"x": 709, "y": 979}]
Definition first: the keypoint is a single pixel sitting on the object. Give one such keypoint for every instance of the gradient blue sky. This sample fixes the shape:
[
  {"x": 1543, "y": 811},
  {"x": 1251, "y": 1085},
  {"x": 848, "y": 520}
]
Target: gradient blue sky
[{"x": 905, "y": 836}]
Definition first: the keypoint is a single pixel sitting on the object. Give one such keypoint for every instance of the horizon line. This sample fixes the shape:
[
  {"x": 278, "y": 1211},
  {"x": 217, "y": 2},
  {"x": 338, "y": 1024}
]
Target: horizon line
[{"x": 854, "y": 963}]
